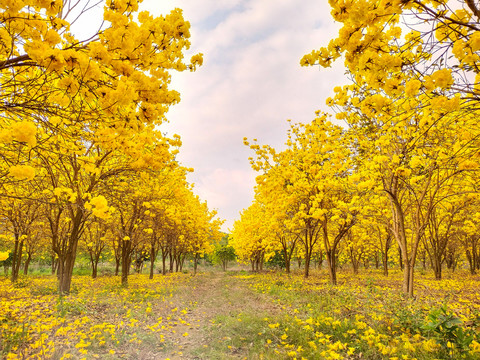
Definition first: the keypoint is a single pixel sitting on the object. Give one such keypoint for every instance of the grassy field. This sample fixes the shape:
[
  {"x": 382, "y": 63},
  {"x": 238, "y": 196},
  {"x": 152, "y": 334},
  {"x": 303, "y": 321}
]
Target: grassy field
[{"x": 240, "y": 315}]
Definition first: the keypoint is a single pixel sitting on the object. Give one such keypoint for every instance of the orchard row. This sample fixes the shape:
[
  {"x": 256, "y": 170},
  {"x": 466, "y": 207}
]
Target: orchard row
[
  {"x": 83, "y": 162},
  {"x": 403, "y": 170}
]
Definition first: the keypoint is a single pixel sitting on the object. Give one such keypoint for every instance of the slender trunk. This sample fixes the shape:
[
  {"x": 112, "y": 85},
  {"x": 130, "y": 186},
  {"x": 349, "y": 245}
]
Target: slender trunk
[
  {"x": 411, "y": 273},
  {"x": 164, "y": 263},
  {"x": 27, "y": 263},
  {"x": 182, "y": 261},
  {"x": 54, "y": 263},
  {"x": 286, "y": 259},
  {"x": 195, "y": 261},
  {"x": 177, "y": 263},
  {"x": 400, "y": 258},
  {"x": 406, "y": 277},
  {"x": 355, "y": 262},
  {"x": 437, "y": 267},
  {"x": 70, "y": 255},
  {"x": 17, "y": 257},
  {"x": 66, "y": 270},
  {"x": 471, "y": 263},
  {"x": 153, "y": 255},
  {"x": 385, "y": 263},
  {"x": 60, "y": 266},
  {"x": 126, "y": 259},
  {"x": 308, "y": 252},
  {"x": 117, "y": 266},
  {"x": 172, "y": 258},
  {"x": 320, "y": 259},
  {"x": 94, "y": 269},
  {"x": 307, "y": 267},
  {"x": 332, "y": 266},
  {"x": 94, "y": 266}
]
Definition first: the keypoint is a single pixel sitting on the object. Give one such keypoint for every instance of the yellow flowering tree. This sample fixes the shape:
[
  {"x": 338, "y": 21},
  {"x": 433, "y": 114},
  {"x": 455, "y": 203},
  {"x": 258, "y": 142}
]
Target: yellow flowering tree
[
  {"x": 94, "y": 241},
  {"x": 411, "y": 104},
  {"x": 72, "y": 107},
  {"x": 315, "y": 185},
  {"x": 252, "y": 240},
  {"x": 20, "y": 215}
]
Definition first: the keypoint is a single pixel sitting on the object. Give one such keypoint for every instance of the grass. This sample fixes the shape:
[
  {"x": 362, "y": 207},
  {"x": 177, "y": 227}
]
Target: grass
[{"x": 240, "y": 315}]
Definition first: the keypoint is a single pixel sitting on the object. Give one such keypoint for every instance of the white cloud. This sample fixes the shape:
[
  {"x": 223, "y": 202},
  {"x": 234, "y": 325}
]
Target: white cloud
[
  {"x": 250, "y": 84},
  {"x": 229, "y": 190}
]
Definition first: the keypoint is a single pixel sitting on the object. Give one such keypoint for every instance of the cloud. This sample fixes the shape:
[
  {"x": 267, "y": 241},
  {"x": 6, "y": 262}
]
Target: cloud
[
  {"x": 228, "y": 190},
  {"x": 250, "y": 84}
]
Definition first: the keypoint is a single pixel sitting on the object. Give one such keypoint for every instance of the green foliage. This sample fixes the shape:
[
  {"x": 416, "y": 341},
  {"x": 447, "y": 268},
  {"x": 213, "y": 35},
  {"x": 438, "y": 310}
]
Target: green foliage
[
  {"x": 448, "y": 330},
  {"x": 223, "y": 254},
  {"x": 277, "y": 261}
]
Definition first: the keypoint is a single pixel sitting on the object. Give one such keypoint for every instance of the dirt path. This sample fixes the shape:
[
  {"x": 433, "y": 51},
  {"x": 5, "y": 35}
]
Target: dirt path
[{"x": 209, "y": 297}]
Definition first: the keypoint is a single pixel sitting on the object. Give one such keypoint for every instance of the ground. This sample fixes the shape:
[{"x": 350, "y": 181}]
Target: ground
[
  {"x": 217, "y": 315},
  {"x": 217, "y": 298}
]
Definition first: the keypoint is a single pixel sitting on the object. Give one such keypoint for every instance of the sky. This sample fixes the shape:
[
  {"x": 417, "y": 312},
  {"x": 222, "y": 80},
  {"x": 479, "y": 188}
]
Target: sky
[{"x": 250, "y": 84}]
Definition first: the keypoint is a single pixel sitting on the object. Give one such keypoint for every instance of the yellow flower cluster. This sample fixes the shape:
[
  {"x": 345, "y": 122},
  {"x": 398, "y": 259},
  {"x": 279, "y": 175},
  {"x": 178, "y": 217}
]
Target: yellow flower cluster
[
  {"x": 99, "y": 207},
  {"x": 356, "y": 319},
  {"x": 102, "y": 318},
  {"x": 22, "y": 172},
  {"x": 4, "y": 255}
]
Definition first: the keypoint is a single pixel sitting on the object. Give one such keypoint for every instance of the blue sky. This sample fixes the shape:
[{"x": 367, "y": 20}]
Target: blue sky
[{"x": 250, "y": 84}]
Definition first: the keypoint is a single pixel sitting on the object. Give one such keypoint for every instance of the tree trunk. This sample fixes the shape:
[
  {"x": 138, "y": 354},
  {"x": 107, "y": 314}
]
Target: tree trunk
[
  {"x": 182, "y": 261},
  {"x": 153, "y": 256},
  {"x": 306, "y": 272},
  {"x": 332, "y": 266},
  {"x": 66, "y": 270},
  {"x": 385, "y": 263},
  {"x": 437, "y": 267},
  {"x": 126, "y": 259},
  {"x": 94, "y": 270},
  {"x": 377, "y": 261},
  {"x": 27, "y": 263},
  {"x": 17, "y": 257},
  {"x": 94, "y": 262},
  {"x": 286, "y": 259},
  {"x": 400, "y": 258},
  {"x": 195, "y": 261},
  {"x": 65, "y": 277},
  {"x": 308, "y": 252},
  {"x": 117, "y": 266},
  {"x": 54, "y": 263},
  {"x": 172, "y": 260},
  {"x": 320, "y": 260},
  {"x": 164, "y": 263},
  {"x": 471, "y": 263},
  {"x": 411, "y": 273}
]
